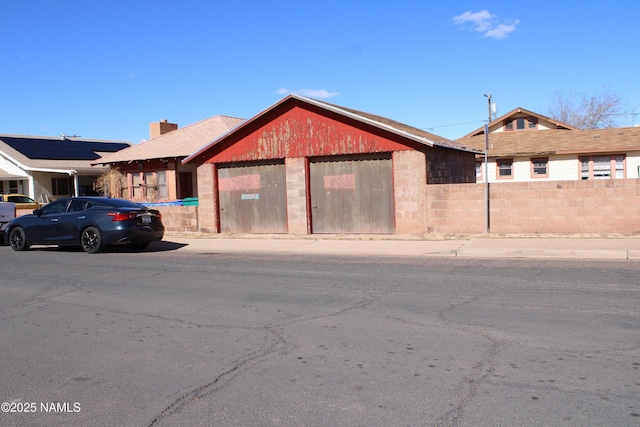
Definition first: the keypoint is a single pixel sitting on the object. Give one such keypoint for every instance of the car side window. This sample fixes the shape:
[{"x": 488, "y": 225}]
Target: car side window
[
  {"x": 59, "y": 206},
  {"x": 79, "y": 205}
]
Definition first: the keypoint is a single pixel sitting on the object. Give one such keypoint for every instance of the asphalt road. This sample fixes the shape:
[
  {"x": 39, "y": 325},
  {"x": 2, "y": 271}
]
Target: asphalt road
[{"x": 167, "y": 338}]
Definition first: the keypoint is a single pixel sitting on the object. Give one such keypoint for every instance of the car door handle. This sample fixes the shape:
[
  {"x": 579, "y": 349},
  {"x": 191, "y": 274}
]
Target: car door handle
[
  {"x": 81, "y": 217},
  {"x": 55, "y": 219}
]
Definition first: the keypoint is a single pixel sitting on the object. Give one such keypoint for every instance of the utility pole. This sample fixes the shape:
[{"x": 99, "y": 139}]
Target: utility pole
[{"x": 487, "y": 228}]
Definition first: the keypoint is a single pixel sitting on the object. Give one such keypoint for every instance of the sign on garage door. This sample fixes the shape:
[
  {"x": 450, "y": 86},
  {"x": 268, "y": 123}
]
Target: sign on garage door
[
  {"x": 352, "y": 195},
  {"x": 252, "y": 198}
]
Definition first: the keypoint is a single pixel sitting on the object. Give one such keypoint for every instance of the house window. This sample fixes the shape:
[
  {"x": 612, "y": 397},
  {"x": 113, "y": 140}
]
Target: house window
[
  {"x": 149, "y": 185},
  {"x": 136, "y": 186},
  {"x": 161, "y": 183},
  {"x": 521, "y": 123},
  {"x": 619, "y": 167},
  {"x": 85, "y": 185},
  {"x": 61, "y": 186},
  {"x": 602, "y": 167},
  {"x": 505, "y": 168},
  {"x": 478, "y": 171},
  {"x": 540, "y": 167}
]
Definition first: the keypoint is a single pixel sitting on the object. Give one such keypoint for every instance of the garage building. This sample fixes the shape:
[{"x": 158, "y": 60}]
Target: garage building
[{"x": 304, "y": 166}]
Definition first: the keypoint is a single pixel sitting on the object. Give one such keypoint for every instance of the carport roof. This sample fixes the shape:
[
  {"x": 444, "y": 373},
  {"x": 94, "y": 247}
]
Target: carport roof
[
  {"x": 412, "y": 133},
  {"x": 6, "y": 175}
]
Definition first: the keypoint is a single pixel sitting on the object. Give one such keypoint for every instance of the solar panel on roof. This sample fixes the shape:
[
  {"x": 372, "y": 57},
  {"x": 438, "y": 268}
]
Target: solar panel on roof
[{"x": 61, "y": 149}]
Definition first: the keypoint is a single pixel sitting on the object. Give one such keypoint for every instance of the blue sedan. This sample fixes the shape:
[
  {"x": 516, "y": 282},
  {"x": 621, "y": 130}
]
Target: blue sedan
[{"x": 89, "y": 222}]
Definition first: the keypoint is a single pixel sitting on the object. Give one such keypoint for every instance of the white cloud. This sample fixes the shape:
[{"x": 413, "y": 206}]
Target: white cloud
[
  {"x": 480, "y": 21},
  {"x": 486, "y": 23},
  {"x": 313, "y": 93},
  {"x": 502, "y": 30}
]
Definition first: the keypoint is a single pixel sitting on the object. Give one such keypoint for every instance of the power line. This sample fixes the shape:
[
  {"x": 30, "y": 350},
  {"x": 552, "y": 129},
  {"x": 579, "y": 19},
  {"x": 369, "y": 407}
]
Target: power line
[{"x": 451, "y": 125}]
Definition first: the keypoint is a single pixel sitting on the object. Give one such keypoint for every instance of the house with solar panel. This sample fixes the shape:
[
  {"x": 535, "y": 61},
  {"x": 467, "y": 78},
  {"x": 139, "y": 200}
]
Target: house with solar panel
[{"x": 46, "y": 168}]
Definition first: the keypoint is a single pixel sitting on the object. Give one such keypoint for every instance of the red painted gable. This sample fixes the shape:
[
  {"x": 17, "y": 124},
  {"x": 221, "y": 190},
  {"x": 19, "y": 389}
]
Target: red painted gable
[{"x": 303, "y": 131}]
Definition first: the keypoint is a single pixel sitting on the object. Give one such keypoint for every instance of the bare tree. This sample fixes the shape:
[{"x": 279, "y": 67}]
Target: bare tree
[
  {"x": 598, "y": 111},
  {"x": 111, "y": 183}
]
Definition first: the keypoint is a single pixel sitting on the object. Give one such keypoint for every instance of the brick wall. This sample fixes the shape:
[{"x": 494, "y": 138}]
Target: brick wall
[
  {"x": 208, "y": 210},
  {"x": 160, "y": 128},
  {"x": 20, "y": 212},
  {"x": 296, "y": 195},
  {"x": 456, "y": 208},
  {"x": 179, "y": 219},
  {"x": 551, "y": 207},
  {"x": 409, "y": 179}
]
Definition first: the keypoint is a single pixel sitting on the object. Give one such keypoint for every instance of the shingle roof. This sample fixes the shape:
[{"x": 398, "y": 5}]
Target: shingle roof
[
  {"x": 178, "y": 143},
  {"x": 519, "y": 112},
  {"x": 398, "y": 128},
  {"x": 592, "y": 141},
  {"x": 51, "y": 153},
  {"x": 435, "y": 139}
]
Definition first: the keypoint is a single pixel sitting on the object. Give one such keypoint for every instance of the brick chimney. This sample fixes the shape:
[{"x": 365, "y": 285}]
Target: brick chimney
[{"x": 159, "y": 128}]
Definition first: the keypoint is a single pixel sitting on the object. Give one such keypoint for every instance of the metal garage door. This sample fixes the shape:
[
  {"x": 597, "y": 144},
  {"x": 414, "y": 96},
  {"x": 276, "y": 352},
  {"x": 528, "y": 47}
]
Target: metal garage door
[
  {"x": 352, "y": 195},
  {"x": 252, "y": 198}
]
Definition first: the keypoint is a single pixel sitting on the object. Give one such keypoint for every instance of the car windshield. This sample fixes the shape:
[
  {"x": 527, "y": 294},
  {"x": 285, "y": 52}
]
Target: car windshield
[{"x": 20, "y": 199}]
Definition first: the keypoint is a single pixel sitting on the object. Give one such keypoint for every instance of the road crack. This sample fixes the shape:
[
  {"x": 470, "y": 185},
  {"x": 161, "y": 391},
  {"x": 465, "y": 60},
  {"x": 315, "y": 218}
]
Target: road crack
[
  {"x": 466, "y": 389},
  {"x": 279, "y": 345}
]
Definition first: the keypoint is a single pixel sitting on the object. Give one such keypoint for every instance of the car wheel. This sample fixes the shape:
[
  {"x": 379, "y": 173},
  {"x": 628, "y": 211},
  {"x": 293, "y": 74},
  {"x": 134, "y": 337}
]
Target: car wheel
[
  {"x": 139, "y": 246},
  {"x": 18, "y": 240},
  {"x": 90, "y": 240}
]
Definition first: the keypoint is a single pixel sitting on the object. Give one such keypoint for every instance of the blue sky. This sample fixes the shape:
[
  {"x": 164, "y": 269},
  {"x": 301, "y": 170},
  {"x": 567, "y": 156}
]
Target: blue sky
[{"x": 106, "y": 69}]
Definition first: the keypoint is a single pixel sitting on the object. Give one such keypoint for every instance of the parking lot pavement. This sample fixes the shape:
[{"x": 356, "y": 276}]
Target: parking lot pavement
[{"x": 402, "y": 246}]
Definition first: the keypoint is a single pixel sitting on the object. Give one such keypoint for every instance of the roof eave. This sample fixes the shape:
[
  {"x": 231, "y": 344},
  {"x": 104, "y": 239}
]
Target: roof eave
[
  {"x": 235, "y": 129},
  {"x": 558, "y": 124},
  {"x": 328, "y": 107}
]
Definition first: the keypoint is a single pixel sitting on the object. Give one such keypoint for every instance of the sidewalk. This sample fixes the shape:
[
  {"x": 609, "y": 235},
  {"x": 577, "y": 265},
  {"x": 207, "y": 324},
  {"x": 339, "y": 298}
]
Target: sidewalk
[{"x": 389, "y": 246}]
